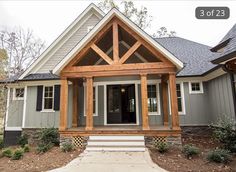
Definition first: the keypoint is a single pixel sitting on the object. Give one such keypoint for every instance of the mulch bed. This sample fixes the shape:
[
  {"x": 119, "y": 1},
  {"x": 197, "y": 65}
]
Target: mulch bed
[
  {"x": 34, "y": 162},
  {"x": 175, "y": 161}
]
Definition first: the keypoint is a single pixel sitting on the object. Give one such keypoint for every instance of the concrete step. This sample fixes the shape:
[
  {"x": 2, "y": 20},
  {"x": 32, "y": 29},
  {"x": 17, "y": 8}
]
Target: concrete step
[
  {"x": 116, "y": 137},
  {"x": 116, "y": 143}
]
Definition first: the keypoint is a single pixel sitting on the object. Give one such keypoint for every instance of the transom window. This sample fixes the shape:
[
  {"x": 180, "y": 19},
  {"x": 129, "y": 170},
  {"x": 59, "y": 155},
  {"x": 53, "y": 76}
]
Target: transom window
[
  {"x": 18, "y": 93},
  {"x": 48, "y": 98},
  {"x": 152, "y": 99},
  {"x": 195, "y": 87}
]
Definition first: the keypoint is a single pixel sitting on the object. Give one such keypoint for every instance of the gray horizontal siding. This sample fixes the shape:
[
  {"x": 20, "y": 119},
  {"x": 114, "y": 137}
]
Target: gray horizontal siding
[{"x": 68, "y": 45}]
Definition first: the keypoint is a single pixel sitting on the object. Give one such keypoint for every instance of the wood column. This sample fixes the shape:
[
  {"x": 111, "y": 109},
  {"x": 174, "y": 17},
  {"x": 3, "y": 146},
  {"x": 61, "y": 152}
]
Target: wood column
[
  {"x": 75, "y": 103},
  {"x": 115, "y": 42},
  {"x": 63, "y": 104},
  {"x": 89, "y": 103},
  {"x": 164, "y": 87},
  {"x": 173, "y": 101},
  {"x": 144, "y": 97}
]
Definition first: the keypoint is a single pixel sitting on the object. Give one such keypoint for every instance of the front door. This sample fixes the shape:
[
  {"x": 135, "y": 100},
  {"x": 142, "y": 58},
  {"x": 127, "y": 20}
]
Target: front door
[{"x": 121, "y": 104}]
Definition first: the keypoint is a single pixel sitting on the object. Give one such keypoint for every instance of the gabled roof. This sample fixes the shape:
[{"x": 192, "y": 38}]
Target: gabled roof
[
  {"x": 229, "y": 49},
  {"x": 100, "y": 25},
  {"x": 58, "y": 41},
  {"x": 195, "y": 56}
]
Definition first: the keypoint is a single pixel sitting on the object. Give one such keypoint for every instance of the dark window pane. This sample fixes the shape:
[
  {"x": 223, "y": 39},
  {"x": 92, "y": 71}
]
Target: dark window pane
[
  {"x": 19, "y": 92},
  {"x": 48, "y": 103},
  {"x": 179, "y": 104}
]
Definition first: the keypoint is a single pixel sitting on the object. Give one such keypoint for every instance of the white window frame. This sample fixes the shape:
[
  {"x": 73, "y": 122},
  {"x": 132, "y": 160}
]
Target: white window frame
[
  {"x": 14, "y": 93},
  {"x": 89, "y": 28},
  {"x": 158, "y": 112},
  {"x": 196, "y": 92},
  {"x": 48, "y": 110},
  {"x": 96, "y": 100},
  {"x": 183, "y": 112}
]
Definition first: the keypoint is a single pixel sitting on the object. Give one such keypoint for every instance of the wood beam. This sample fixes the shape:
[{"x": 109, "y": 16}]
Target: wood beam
[
  {"x": 143, "y": 42},
  {"x": 63, "y": 104},
  {"x": 145, "y": 122},
  {"x": 164, "y": 87},
  {"x": 173, "y": 101},
  {"x": 102, "y": 54},
  {"x": 89, "y": 103},
  {"x": 75, "y": 103},
  {"x": 129, "y": 52},
  {"x": 115, "y": 42}
]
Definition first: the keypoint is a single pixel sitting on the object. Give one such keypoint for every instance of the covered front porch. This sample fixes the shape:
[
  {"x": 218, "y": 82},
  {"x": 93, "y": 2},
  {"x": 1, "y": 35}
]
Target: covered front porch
[{"x": 118, "y": 51}]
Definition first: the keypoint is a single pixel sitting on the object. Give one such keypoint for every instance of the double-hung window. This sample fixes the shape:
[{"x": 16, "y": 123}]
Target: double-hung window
[{"x": 48, "y": 98}]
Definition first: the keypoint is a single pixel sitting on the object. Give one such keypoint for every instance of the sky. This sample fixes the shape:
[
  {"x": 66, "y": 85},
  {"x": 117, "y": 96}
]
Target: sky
[{"x": 48, "y": 19}]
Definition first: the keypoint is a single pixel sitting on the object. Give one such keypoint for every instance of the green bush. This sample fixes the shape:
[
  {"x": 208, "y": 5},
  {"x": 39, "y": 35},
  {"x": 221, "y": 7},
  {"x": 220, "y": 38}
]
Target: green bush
[
  {"x": 49, "y": 136},
  {"x": 190, "y": 150},
  {"x": 7, "y": 152},
  {"x": 219, "y": 156},
  {"x": 1, "y": 143},
  {"x": 22, "y": 140},
  {"x": 162, "y": 147},
  {"x": 42, "y": 148},
  {"x": 225, "y": 133},
  {"x": 67, "y": 147},
  {"x": 26, "y": 148},
  {"x": 18, "y": 154}
]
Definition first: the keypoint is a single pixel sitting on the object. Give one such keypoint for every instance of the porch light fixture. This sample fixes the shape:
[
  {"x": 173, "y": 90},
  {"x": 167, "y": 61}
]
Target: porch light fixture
[{"x": 122, "y": 90}]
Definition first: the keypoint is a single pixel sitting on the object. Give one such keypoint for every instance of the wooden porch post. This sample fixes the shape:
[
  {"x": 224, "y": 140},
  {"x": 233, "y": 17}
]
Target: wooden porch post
[
  {"x": 144, "y": 102},
  {"x": 89, "y": 103},
  {"x": 164, "y": 87},
  {"x": 63, "y": 104},
  {"x": 115, "y": 42},
  {"x": 75, "y": 103},
  {"x": 173, "y": 100}
]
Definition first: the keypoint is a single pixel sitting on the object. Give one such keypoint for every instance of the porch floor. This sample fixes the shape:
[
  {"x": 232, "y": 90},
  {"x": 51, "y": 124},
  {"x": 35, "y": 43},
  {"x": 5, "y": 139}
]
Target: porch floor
[{"x": 122, "y": 130}]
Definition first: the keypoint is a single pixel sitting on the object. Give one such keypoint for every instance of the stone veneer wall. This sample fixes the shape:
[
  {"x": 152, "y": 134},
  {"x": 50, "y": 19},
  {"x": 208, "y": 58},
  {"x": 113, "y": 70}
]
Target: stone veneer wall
[{"x": 32, "y": 134}]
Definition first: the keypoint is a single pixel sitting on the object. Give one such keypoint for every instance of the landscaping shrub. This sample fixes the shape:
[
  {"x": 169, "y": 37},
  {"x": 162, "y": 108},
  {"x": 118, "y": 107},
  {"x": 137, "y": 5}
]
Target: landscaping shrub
[
  {"x": 219, "y": 156},
  {"x": 26, "y": 148},
  {"x": 190, "y": 150},
  {"x": 1, "y": 143},
  {"x": 162, "y": 147},
  {"x": 42, "y": 147},
  {"x": 22, "y": 140},
  {"x": 18, "y": 154},
  {"x": 225, "y": 133},
  {"x": 7, "y": 152},
  {"x": 49, "y": 136},
  {"x": 67, "y": 147}
]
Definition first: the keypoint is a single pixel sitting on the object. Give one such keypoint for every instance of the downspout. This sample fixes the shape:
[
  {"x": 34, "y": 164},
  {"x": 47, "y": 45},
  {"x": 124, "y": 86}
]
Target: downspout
[{"x": 233, "y": 84}]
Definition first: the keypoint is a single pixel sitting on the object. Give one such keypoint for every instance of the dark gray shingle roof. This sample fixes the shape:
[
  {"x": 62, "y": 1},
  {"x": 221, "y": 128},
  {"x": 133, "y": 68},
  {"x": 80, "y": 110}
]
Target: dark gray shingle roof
[
  {"x": 40, "y": 76},
  {"x": 196, "y": 57}
]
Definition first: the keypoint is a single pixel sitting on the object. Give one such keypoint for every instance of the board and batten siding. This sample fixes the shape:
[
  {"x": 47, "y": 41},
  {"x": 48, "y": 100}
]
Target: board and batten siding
[
  {"x": 68, "y": 45},
  {"x": 15, "y": 111},
  {"x": 37, "y": 119},
  {"x": 220, "y": 98}
]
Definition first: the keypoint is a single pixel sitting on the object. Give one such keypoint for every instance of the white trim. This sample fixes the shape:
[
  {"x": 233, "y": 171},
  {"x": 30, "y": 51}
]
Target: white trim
[
  {"x": 89, "y": 28},
  {"x": 47, "y": 111},
  {"x": 157, "y": 82},
  {"x": 96, "y": 99},
  {"x": 195, "y": 92},
  {"x": 14, "y": 93},
  {"x": 223, "y": 62},
  {"x": 13, "y": 129},
  {"x": 7, "y": 107},
  {"x": 57, "y": 42},
  {"x": 183, "y": 112},
  {"x": 52, "y": 109},
  {"x": 100, "y": 25},
  {"x": 24, "y": 107},
  {"x": 105, "y": 98}
]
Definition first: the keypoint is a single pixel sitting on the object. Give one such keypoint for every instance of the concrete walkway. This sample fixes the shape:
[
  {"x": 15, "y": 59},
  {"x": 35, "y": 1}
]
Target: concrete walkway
[{"x": 111, "y": 162}]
